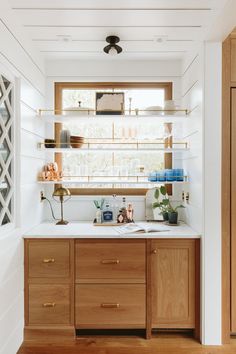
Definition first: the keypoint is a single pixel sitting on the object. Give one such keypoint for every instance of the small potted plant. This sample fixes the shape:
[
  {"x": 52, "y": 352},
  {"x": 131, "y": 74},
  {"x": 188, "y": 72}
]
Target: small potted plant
[
  {"x": 173, "y": 214},
  {"x": 163, "y": 204}
]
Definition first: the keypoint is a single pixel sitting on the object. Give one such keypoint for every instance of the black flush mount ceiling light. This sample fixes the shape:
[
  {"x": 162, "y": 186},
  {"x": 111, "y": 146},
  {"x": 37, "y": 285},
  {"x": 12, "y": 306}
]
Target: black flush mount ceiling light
[{"x": 112, "y": 48}]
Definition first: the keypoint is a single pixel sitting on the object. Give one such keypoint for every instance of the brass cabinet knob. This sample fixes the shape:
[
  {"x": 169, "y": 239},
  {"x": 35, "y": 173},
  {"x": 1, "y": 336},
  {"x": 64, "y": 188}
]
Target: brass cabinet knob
[
  {"x": 110, "y": 306},
  {"x": 154, "y": 251},
  {"x": 110, "y": 261},
  {"x": 49, "y": 304},
  {"x": 49, "y": 260}
]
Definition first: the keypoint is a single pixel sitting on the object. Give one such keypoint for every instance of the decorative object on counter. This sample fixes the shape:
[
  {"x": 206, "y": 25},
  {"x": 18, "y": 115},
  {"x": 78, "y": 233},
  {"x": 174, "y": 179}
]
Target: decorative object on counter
[
  {"x": 65, "y": 139},
  {"x": 150, "y": 213},
  {"x": 76, "y": 141},
  {"x": 64, "y": 195},
  {"x": 107, "y": 214},
  {"x": 50, "y": 172},
  {"x": 109, "y": 103},
  {"x": 99, "y": 206},
  {"x": 168, "y": 212},
  {"x": 130, "y": 213},
  {"x": 173, "y": 214},
  {"x": 49, "y": 143},
  {"x": 122, "y": 215},
  {"x": 164, "y": 203},
  {"x": 98, "y": 215}
]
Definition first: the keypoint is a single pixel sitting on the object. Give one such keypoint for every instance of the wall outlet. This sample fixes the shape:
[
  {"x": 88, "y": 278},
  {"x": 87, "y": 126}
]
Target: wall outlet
[{"x": 42, "y": 198}]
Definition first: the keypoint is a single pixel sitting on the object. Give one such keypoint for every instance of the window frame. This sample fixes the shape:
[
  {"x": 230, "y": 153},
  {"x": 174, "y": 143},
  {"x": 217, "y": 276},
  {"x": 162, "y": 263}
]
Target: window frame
[{"x": 58, "y": 89}]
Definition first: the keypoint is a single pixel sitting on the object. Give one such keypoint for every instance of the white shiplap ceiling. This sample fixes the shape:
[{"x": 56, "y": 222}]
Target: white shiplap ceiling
[{"x": 78, "y": 28}]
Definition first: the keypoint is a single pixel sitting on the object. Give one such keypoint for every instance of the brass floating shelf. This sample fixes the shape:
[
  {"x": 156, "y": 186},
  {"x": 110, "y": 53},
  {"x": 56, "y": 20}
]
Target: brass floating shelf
[
  {"x": 117, "y": 145},
  {"x": 99, "y": 182},
  {"x": 95, "y": 113}
]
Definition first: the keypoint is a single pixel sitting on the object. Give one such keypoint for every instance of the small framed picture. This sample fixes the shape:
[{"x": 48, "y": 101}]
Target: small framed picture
[{"x": 110, "y": 103}]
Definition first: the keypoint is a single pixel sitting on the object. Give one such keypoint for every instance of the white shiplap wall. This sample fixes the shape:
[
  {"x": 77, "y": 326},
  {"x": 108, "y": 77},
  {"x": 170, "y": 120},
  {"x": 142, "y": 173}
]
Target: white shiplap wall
[
  {"x": 201, "y": 93},
  {"x": 192, "y": 98},
  {"x": 17, "y": 64}
]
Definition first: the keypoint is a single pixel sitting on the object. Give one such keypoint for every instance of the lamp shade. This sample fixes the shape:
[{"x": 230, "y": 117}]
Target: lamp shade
[{"x": 61, "y": 192}]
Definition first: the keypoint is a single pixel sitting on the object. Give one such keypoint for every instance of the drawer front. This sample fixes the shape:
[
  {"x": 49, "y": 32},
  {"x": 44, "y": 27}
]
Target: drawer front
[
  {"x": 110, "y": 306},
  {"x": 49, "y": 305},
  {"x": 49, "y": 259},
  {"x": 110, "y": 261}
]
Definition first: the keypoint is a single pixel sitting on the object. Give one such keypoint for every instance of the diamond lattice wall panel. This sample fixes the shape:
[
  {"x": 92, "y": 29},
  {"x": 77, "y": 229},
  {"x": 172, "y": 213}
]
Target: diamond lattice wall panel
[{"x": 6, "y": 151}]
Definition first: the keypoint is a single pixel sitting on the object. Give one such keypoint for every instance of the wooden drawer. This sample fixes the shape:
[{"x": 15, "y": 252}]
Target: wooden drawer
[
  {"x": 113, "y": 261},
  {"x": 49, "y": 259},
  {"x": 110, "y": 306},
  {"x": 49, "y": 304}
]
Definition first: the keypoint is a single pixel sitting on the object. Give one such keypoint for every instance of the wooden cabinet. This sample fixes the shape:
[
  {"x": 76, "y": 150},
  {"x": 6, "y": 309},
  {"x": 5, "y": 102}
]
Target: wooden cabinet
[
  {"x": 115, "y": 284},
  {"x": 173, "y": 279},
  {"x": 110, "y": 284},
  {"x": 49, "y": 282}
]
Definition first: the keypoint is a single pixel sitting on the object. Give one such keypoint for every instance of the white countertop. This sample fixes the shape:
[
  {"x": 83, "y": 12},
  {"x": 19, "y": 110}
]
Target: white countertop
[{"x": 88, "y": 230}]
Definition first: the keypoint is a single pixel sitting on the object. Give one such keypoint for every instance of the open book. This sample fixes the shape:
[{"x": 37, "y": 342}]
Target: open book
[{"x": 133, "y": 228}]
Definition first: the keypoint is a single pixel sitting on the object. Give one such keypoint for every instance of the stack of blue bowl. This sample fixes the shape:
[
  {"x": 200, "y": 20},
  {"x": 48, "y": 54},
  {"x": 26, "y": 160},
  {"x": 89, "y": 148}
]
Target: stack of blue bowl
[{"x": 167, "y": 175}]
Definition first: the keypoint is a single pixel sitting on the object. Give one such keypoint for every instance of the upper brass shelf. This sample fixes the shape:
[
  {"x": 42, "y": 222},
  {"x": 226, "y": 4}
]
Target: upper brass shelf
[{"x": 125, "y": 113}]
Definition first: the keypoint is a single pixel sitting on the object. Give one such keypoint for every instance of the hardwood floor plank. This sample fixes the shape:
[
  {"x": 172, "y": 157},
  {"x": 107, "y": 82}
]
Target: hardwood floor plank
[{"x": 160, "y": 344}]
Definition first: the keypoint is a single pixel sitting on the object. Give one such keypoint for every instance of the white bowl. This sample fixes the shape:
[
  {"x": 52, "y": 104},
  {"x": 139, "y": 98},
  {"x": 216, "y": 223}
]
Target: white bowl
[{"x": 153, "y": 111}]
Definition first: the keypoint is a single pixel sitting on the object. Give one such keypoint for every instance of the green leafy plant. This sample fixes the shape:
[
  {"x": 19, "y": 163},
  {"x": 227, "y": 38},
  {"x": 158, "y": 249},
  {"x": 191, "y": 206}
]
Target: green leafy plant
[
  {"x": 164, "y": 204},
  {"x": 174, "y": 210},
  {"x": 99, "y": 204}
]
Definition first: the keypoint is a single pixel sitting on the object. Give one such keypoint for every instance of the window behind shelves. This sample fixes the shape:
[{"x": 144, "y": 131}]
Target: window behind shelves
[{"x": 94, "y": 165}]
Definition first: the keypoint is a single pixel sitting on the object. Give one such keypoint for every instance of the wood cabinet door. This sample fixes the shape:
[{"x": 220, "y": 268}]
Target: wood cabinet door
[{"x": 173, "y": 283}]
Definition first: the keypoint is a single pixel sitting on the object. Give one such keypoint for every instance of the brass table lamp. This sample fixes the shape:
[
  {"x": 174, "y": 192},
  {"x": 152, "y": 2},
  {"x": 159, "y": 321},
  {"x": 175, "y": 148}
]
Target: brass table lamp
[{"x": 62, "y": 193}]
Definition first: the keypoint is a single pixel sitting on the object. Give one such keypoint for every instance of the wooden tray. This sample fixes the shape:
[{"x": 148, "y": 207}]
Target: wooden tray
[{"x": 107, "y": 224}]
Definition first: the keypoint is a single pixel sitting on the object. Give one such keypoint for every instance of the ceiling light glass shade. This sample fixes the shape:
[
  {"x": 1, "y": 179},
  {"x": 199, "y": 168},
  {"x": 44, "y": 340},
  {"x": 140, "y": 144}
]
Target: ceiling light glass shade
[{"x": 112, "y": 48}]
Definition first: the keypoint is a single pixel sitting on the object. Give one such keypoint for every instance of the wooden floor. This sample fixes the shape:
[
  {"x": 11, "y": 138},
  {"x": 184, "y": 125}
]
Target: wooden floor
[{"x": 159, "y": 344}]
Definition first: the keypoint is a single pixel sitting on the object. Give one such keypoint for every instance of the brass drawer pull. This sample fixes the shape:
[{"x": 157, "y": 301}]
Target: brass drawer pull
[
  {"x": 49, "y": 304},
  {"x": 154, "y": 251},
  {"x": 49, "y": 260},
  {"x": 110, "y": 261},
  {"x": 110, "y": 306}
]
